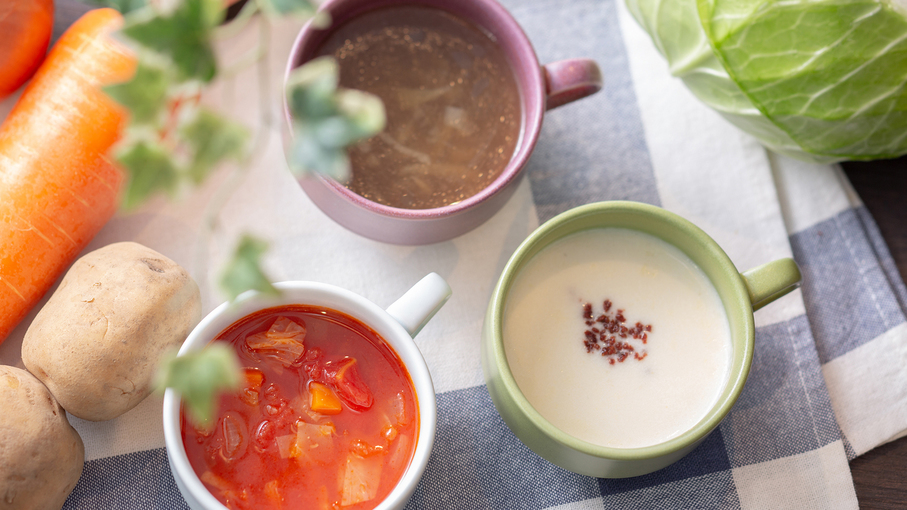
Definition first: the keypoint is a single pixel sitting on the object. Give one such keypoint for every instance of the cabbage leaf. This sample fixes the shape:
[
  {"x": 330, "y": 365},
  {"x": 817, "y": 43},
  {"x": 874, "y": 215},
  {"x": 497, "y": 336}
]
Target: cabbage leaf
[{"x": 821, "y": 80}]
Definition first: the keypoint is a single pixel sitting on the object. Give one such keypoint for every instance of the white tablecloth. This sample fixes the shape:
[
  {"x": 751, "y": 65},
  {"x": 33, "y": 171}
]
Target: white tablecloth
[{"x": 827, "y": 382}]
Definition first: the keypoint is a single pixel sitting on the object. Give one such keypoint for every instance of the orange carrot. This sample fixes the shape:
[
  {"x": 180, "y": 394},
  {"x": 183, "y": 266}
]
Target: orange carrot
[
  {"x": 26, "y": 28},
  {"x": 57, "y": 185}
]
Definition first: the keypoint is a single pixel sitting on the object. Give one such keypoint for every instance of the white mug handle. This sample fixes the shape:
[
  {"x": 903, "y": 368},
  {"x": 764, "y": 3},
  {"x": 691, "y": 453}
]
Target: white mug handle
[{"x": 420, "y": 303}]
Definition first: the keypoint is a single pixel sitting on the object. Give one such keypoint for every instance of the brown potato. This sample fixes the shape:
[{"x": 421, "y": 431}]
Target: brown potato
[
  {"x": 41, "y": 455},
  {"x": 97, "y": 342}
]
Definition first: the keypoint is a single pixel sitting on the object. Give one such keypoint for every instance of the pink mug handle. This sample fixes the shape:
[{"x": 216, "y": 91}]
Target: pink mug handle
[{"x": 569, "y": 80}]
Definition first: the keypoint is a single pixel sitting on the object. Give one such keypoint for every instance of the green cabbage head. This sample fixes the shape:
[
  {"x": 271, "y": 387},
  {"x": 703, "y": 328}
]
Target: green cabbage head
[{"x": 821, "y": 80}]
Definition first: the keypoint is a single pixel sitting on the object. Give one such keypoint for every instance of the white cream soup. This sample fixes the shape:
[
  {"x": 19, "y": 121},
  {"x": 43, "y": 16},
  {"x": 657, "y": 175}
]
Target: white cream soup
[{"x": 610, "y": 390}]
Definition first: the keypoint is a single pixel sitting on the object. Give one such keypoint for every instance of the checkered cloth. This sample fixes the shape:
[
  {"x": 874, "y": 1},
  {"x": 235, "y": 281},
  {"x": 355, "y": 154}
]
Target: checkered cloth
[{"x": 826, "y": 384}]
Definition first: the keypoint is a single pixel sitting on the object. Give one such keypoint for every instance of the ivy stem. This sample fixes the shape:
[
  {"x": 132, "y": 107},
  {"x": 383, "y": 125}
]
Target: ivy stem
[
  {"x": 250, "y": 57},
  {"x": 240, "y": 170}
]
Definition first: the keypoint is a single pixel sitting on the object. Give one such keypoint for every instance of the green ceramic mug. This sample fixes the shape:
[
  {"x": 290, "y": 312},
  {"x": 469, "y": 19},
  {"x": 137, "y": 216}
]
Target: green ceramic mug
[{"x": 740, "y": 295}]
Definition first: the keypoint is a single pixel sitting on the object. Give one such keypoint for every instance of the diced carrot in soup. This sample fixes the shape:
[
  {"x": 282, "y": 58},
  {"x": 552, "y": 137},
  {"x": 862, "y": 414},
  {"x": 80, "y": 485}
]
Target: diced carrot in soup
[
  {"x": 324, "y": 400},
  {"x": 277, "y": 446},
  {"x": 254, "y": 378},
  {"x": 250, "y": 390}
]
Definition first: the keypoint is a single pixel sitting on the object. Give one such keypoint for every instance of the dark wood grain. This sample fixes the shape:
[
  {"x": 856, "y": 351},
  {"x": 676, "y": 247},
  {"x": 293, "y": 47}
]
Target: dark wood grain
[
  {"x": 880, "y": 476},
  {"x": 883, "y": 187}
]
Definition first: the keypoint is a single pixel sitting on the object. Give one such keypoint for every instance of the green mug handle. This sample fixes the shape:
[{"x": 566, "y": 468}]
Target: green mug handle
[{"x": 770, "y": 281}]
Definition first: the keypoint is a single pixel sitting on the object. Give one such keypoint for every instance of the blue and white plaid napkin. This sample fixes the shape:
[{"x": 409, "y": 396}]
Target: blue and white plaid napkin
[{"x": 826, "y": 384}]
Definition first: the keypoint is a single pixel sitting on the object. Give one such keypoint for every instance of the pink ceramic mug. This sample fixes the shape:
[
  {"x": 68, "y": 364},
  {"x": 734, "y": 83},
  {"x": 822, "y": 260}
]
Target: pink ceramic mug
[{"x": 542, "y": 87}]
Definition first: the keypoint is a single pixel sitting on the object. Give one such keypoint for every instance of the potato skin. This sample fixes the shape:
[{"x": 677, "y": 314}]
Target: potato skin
[
  {"x": 41, "y": 455},
  {"x": 97, "y": 342}
]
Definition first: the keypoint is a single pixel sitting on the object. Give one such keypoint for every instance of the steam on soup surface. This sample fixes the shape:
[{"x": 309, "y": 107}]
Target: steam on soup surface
[
  {"x": 617, "y": 338},
  {"x": 452, "y": 103},
  {"x": 326, "y": 417}
]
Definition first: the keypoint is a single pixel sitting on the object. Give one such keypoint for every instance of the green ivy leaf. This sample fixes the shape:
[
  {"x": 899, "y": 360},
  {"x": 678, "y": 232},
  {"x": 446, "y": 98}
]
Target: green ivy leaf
[
  {"x": 213, "y": 139},
  {"x": 184, "y": 36},
  {"x": 364, "y": 111},
  {"x": 243, "y": 272},
  {"x": 151, "y": 169},
  {"x": 308, "y": 153},
  {"x": 311, "y": 88},
  {"x": 327, "y": 119},
  {"x": 200, "y": 377},
  {"x": 335, "y": 132},
  {"x": 144, "y": 95},
  {"x": 124, "y": 6}
]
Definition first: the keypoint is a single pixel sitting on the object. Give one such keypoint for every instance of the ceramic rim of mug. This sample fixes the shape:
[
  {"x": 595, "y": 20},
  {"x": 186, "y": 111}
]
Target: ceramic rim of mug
[
  {"x": 583, "y": 218},
  {"x": 518, "y": 51},
  {"x": 328, "y": 296}
]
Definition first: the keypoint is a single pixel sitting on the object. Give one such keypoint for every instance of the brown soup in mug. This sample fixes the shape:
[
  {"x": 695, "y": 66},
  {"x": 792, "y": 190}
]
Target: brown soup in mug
[{"x": 452, "y": 103}]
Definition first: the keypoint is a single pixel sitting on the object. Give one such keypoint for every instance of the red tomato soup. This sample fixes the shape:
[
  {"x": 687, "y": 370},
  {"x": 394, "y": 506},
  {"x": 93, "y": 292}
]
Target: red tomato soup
[{"x": 326, "y": 417}]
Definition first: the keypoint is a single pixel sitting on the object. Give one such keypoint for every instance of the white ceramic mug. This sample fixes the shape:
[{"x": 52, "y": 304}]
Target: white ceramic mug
[{"x": 397, "y": 326}]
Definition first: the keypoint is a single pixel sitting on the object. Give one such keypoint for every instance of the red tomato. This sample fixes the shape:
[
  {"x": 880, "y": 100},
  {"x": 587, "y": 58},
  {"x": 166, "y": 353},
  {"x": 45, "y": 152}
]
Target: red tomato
[
  {"x": 349, "y": 385},
  {"x": 26, "y": 26}
]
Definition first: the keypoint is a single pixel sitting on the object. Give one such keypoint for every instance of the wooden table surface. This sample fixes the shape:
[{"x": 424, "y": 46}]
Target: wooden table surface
[{"x": 880, "y": 476}]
